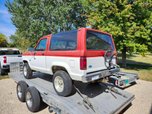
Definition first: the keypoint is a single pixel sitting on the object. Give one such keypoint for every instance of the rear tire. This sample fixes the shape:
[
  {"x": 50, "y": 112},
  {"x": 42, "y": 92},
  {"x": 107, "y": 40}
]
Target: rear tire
[
  {"x": 62, "y": 83},
  {"x": 27, "y": 72},
  {"x": 1, "y": 71},
  {"x": 21, "y": 90},
  {"x": 33, "y": 99}
]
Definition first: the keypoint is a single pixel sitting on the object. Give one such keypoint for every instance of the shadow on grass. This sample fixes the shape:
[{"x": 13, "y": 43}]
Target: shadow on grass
[
  {"x": 127, "y": 55},
  {"x": 134, "y": 65}
]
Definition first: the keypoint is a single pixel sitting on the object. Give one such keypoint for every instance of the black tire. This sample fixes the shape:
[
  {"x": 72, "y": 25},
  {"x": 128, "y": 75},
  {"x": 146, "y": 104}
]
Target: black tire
[
  {"x": 20, "y": 90},
  {"x": 27, "y": 72},
  {"x": 33, "y": 96},
  {"x": 66, "y": 82},
  {"x": 2, "y": 72}
]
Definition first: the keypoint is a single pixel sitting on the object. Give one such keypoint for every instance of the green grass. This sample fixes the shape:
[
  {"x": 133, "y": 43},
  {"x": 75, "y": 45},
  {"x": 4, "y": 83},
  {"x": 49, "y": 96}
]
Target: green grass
[
  {"x": 4, "y": 77},
  {"x": 140, "y": 65}
]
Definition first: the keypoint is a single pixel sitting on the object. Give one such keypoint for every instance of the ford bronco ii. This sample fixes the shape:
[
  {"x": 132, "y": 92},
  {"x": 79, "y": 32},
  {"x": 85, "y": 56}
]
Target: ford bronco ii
[{"x": 84, "y": 55}]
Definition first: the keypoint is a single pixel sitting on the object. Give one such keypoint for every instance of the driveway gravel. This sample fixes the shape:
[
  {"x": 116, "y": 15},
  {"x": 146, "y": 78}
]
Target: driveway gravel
[{"x": 9, "y": 104}]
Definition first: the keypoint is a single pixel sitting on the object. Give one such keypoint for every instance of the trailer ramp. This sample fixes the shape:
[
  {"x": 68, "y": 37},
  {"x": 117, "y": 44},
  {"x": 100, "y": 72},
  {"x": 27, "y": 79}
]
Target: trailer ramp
[{"x": 97, "y": 98}]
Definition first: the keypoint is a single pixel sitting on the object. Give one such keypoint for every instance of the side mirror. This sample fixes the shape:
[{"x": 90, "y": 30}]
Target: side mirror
[{"x": 31, "y": 49}]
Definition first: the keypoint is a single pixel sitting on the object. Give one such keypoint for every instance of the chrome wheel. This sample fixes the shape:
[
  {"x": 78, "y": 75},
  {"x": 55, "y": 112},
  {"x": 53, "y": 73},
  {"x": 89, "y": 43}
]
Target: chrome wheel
[
  {"x": 59, "y": 84},
  {"x": 29, "y": 99},
  {"x": 19, "y": 91},
  {"x": 25, "y": 71}
]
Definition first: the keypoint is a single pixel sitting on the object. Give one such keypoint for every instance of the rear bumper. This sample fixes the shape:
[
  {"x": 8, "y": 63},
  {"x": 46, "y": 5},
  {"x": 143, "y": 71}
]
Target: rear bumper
[
  {"x": 5, "y": 67},
  {"x": 92, "y": 76}
]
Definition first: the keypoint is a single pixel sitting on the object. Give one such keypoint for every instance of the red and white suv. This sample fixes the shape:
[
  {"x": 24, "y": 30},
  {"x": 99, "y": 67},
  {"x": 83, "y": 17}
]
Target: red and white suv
[{"x": 72, "y": 55}]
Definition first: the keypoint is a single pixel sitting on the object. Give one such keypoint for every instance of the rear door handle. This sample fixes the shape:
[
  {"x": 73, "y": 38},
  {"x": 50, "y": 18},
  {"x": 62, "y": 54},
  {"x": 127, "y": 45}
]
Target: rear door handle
[{"x": 34, "y": 55}]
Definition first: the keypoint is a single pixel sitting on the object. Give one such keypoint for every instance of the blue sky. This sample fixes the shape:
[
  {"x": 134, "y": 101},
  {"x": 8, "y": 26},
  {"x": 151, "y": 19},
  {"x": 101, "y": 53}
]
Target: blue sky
[{"x": 6, "y": 26}]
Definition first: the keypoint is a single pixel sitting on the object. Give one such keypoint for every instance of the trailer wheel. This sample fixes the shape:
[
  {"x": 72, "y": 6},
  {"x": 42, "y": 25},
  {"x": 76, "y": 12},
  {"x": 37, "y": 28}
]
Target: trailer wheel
[
  {"x": 27, "y": 72},
  {"x": 62, "y": 83},
  {"x": 33, "y": 100},
  {"x": 20, "y": 90}
]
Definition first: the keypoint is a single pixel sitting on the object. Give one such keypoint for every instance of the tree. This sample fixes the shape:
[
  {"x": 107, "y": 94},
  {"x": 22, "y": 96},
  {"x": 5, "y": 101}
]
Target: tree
[
  {"x": 19, "y": 41},
  {"x": 3, "y": 41},
  {"x": 35, "y": 18},
  {"x": 129, "y": 21}
]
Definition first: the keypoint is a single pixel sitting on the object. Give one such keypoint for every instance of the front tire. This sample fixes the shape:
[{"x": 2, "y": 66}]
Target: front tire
[
  {"x": 62, "y": 83},
  {"x": 27, "y": 72}
]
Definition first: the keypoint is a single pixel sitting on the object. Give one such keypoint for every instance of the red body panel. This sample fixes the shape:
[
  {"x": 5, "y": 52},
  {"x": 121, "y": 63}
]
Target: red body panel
[{"x": 80, "y": 50}]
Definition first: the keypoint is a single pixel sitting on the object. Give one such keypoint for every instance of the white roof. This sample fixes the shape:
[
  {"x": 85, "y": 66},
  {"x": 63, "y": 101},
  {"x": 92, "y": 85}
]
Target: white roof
[{"x": 9, "y": 49}]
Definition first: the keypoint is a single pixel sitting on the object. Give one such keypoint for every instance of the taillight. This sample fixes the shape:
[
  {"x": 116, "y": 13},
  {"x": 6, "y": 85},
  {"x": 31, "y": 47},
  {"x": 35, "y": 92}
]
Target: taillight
[
  {"x": 5, "y": 59},
  {"x": 83, "y": 63}
]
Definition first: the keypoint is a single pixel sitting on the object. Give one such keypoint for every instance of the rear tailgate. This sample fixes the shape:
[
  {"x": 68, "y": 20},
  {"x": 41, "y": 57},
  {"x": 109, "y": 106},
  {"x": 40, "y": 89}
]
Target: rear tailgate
[
  {"x": 99, "y": 44},
  {"x": 97, "y": 63},
  {"x": 13, "y": 58}
]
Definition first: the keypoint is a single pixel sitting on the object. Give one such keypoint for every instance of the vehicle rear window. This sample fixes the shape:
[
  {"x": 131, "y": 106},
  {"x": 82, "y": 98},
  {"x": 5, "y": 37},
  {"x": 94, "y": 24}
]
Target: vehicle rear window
[
  {"x": 99, "y": 41},
  {"x": 9, "y": 52},
  {"x": 64, "y": 41}
]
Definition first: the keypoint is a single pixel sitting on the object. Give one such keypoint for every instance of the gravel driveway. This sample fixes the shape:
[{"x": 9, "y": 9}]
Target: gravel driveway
[{"x": 9, "y": 104}]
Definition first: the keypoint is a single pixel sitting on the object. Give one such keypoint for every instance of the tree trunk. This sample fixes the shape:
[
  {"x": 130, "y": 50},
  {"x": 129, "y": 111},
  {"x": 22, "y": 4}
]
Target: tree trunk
[{"x": 124, "y": 56}]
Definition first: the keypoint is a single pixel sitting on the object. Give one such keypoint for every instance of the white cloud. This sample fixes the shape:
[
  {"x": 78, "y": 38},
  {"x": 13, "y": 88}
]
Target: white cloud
[
  {"x": 6, "y": 26},
  {"x": 7, "y": 30},
  {"x": 4, "y": 12}
]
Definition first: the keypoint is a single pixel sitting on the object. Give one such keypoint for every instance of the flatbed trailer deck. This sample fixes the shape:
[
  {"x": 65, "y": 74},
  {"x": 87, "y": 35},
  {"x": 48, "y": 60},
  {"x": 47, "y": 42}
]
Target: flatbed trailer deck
[{"x": 97, "y": 98}]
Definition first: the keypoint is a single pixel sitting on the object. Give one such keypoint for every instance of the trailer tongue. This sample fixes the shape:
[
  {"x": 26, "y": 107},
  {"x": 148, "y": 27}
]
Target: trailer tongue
[{"x": 97, "y": 98}]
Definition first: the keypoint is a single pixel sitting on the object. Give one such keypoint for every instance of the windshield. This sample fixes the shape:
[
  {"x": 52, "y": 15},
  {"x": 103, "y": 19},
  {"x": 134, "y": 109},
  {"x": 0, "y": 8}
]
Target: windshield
[
  {"x": 99, "y": 41},
  {"x": 9, "y": 52}
]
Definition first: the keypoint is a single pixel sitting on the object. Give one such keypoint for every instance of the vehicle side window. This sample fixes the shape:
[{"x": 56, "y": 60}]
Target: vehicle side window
[
  {"x": 64, "y": 41},
  {"x": 41, "y": 45}
]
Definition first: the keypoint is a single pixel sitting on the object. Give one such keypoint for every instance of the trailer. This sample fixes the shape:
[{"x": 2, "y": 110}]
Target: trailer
[{"x": 93, "y": 98}]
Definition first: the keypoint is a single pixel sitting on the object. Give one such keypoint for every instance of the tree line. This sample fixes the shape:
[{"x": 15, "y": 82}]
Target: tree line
[{"x": 129, "y": 21}]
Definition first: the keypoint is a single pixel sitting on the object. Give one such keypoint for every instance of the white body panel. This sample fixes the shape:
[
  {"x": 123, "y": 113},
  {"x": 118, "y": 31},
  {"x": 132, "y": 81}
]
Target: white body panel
[
  {"x": 9, "y": 58},
  {"x": 71, "y": 64},
  {"x": 38, "y": 63},
  {"x": 95, "y": 64},
  {"x": 45, "y": 63}
]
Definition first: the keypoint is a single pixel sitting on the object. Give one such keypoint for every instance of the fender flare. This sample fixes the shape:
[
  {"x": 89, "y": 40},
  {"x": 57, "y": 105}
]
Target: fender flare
[{"x": 61, "y": 64}]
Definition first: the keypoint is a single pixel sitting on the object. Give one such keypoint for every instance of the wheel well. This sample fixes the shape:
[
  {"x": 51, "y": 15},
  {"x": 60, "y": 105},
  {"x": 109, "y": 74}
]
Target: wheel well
[
  {"x": 24, "y": 61},
  {"x": 55, "y": 68}
]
